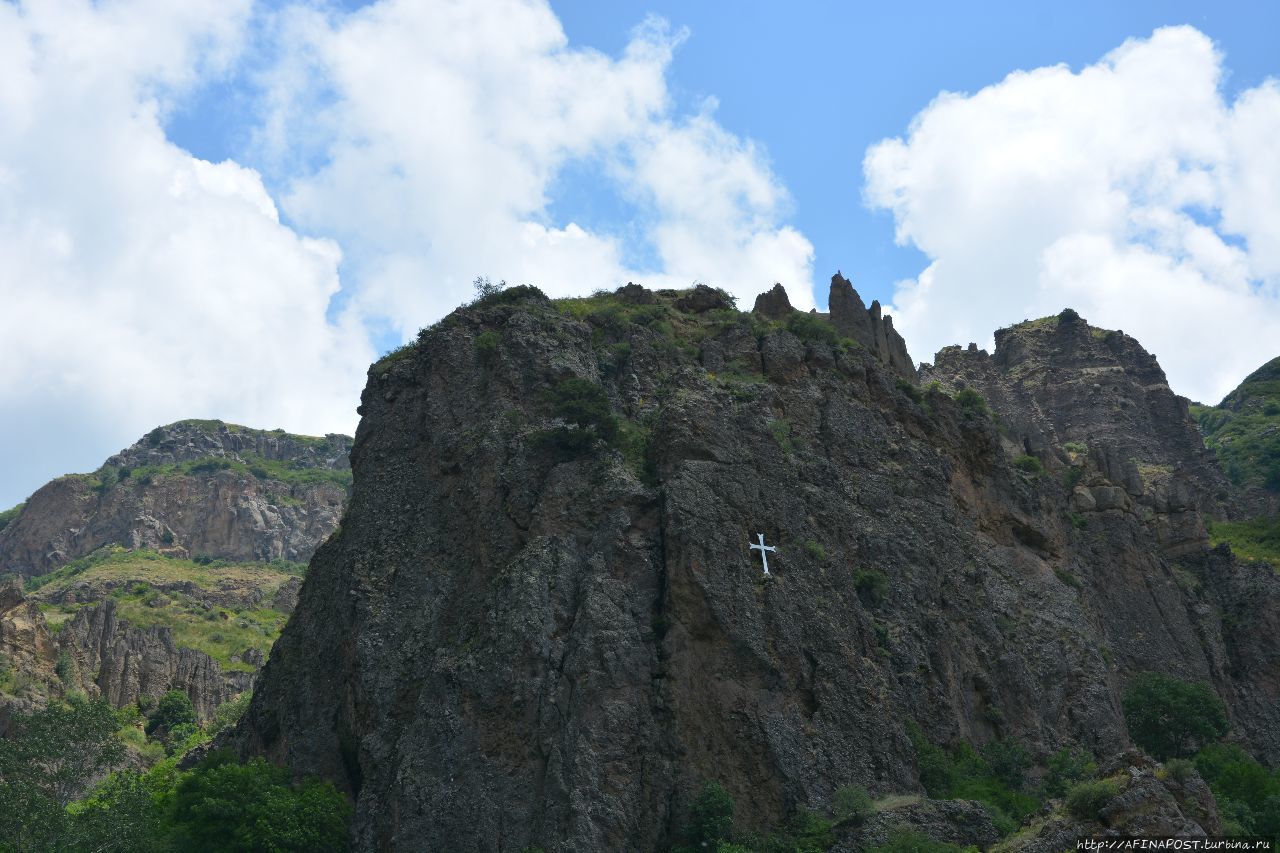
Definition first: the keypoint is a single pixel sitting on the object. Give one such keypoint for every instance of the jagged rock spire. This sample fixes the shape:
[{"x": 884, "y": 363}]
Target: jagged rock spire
[{"x": 773, "y": 303}]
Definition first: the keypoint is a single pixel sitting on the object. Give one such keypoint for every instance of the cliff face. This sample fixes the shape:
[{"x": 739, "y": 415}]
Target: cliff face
[
  {"x": 191, "y": 488},
  {"x": 540, "y": 623},
  {"x": 1095, "y": 400},
  {"x": 852, "y": 319},
  {"x": 120, "y": 663},
  {"x": 153, "y": 588},
  {"x": 28, "y": 654}
]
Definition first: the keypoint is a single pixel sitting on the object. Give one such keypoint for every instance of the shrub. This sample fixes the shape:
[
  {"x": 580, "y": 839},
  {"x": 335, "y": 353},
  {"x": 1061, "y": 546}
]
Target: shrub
[
  {"x": 585, "y": 405},
  {"x": 812, "y": 329},
  {"x": 781, "y": 432},
  {"x": 971, "y": 401},
  {"x": 962, "y": 773},
  {"x": 487, "y": 346},
  {"x": 852, "y": 802},
  {"x": 229, "y": 712},
  {"x": 1008, "y": 761},
  {"x": 1072, "y": 477},
  {"x": 225, "y": 806},
  {"x": 814, "y": 549},
  {"x": 1179, "y": 769},
  {"x": 910, "y": 389},
  {"x": 1067, "y": 578},
  {"x": 486, "y": 289},
  {"x": 710, "y": 817},
  {"x": 872, "y": 586},
  {"x": 63, "y": 667},
  {"x": 173, "y": 709},
  {"x": 1029, "y": 464},
  {"x": 1169, "y": 717},
  {"x": 1236, "y": 778},
  {"x": 1086, "y": 799},
  {"x": 9, "y": 515},
  {"x": 1064, "y": 768}
]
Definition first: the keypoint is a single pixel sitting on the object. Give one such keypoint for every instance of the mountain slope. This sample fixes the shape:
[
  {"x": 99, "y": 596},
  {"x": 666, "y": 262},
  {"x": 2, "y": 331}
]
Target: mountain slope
[
  {"x": 540, "y": 623},
  {"x": 1244, "y": 429},
  {"x": 173, "y": 566},
  {"x": 192, "y": 488}
]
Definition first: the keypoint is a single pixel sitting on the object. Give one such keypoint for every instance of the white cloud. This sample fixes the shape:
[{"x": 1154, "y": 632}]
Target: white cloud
[
  {"x": 138, "y": 283},
  {"x": 442, "y": 128},
  {"x": 418, "y": 144},
  {"x": 1132, "y": 191}
]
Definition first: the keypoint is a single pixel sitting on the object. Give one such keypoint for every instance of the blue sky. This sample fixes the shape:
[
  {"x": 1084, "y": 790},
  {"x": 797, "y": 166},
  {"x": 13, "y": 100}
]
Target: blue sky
[
  {"x": 226, "y": 209},
  {"x": 817, "y": 83}
]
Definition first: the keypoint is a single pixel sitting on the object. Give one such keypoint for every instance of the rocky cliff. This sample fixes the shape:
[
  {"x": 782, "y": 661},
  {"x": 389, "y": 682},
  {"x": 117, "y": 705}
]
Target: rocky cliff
[
  {"x": 173, "y": 566},
  {"x": 852, "y": 319},
  {"x": 193, "y": 488},
  {"x": 1095, "y": 404},
  {"x": 541, "y": 625}
]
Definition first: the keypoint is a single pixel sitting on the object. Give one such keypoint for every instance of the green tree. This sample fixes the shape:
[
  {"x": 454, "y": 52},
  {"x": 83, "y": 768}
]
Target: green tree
[
  {"x": 1064, "y": 768},
  {"x": 852, "y": 802},
  {"x": 1169, "y": 717},
  {"x": 61, "y": 748},
  {"x": 46, "y": 759},
  {"x": 173, "y": 710},
  {"x": 710, "y": 817},
  {"x": 226, "y": 806},
  {"x": 122, "y": 816}
]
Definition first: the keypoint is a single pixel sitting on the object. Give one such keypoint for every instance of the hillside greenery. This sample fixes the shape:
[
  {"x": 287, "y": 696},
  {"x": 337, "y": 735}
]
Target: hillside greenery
[
  {"x": 54, "y": 794},
  {"x": 292, "y": 472},
  {"x": 1244, "y": 429},
  {"x": 1256, "y": 539},
  {"x": 9, "y": 515},
  {"x": 151, "y": 589}
]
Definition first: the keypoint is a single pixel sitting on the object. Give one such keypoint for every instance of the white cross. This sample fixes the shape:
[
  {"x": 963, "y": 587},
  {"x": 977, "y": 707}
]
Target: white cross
[{"x": 762, "y": 548}]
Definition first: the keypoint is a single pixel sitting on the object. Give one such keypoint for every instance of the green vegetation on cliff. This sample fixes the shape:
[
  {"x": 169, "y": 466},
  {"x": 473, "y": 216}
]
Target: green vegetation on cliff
[
  {"x": 217, "y": 608},
  {"x": 9, "y": 515},
  {"x": 1256, "y": 539},
  {"x": 289, "y": 472},
  {"x": 1244, "y": 429},
  {"x": 1170, "y": 717},
  {"x": 51, "y": 799}
]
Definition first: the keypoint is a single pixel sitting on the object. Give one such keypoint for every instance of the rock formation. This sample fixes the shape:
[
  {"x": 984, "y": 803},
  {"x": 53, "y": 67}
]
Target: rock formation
[
  {"x": 192, "y": 488},
  {"x": 851, "y": 320},
  {"x": 540, "y": 623},
  {"x": 866, "y": 326},
  {"x": 1149, "y": 804},
  {"x": 28, "y": 654},
  {"x": 121, "y": 663},
  {"x": 1075, "y": 396},
  {"x": 216, "y": 492}
]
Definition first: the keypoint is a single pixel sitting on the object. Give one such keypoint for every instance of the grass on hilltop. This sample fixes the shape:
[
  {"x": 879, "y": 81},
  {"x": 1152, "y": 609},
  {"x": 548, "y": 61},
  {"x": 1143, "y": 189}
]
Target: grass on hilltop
[{"x": 143, "y": 586}]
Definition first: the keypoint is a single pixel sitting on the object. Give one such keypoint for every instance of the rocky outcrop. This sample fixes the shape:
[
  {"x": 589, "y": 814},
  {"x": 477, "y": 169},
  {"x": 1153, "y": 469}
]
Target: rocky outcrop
[
  {"x": 773, "y": 303},
  {"x": 120, "y": 663},
  {"x": 852, "y": 320},
  {"x": 868, "y": 327},
  {"x": 1150, "y": 803},
  {"x": 1078, "y": 397},
  {"x": 961, "y": 822},
  {"x": 194, "y": 488},
  {"x": 543, "y": 626},
  {"x": 28, "y": 654}
]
